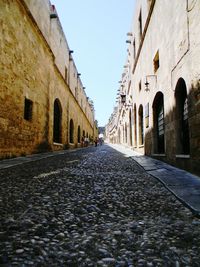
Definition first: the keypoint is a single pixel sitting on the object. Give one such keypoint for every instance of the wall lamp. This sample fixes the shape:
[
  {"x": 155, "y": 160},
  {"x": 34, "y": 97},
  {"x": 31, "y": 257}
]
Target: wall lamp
[
  {"x": 123, "y": 100},
  {"x": 128, "y": 41},
  {"x": 147, "y": 82}
]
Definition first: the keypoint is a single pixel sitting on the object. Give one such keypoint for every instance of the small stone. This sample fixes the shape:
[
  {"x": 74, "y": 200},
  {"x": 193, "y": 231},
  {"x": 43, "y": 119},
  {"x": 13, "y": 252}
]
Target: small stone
[
  {"x": 108, "y": 260},
  {"x": 60, "y": 236},
  {"x": 117, "y": 233},
  {"x": 19, "y": 251}
]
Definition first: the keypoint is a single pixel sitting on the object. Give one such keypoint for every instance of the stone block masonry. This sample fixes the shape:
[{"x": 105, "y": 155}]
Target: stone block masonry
[{"x": 37, "y": 101}]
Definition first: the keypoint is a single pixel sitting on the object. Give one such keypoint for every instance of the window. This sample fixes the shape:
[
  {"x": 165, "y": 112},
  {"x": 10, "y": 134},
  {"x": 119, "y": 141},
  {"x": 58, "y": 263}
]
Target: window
[
  {"x": 28, "y": 109},
  {"x": 140, "y": 25},
  {"x": 134, "y": 49},
  {"x": 140, "y": 86},
  {"x": 156, "y": 61},
  {"x": 66, "y": 75},
  {"x": 147, "y": 115}
]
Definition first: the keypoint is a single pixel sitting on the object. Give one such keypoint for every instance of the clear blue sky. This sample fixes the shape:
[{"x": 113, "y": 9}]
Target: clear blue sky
[{"x": 96, "y": 31}]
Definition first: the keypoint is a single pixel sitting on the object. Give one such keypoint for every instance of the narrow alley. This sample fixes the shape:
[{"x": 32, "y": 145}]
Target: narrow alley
[{"x": 92, "y": 207}]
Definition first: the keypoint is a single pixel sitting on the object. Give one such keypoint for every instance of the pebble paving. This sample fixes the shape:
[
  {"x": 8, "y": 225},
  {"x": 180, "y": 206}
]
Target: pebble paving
[{"x": 93, "y": 207}]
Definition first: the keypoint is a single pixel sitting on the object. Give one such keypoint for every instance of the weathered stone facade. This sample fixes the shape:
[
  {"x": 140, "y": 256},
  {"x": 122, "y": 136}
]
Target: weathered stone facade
[
  {"x": 160, "y": 116},
  {"x": 43, "y": 104}
]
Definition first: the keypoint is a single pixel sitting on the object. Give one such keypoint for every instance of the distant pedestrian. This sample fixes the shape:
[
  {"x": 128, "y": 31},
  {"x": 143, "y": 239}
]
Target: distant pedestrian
[{"x": 86, "y": 141}]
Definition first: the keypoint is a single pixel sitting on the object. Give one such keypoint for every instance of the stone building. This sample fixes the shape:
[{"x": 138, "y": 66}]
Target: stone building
[
  {"x": 158, "y": 104},
  {"x": 43, "y": 104}
]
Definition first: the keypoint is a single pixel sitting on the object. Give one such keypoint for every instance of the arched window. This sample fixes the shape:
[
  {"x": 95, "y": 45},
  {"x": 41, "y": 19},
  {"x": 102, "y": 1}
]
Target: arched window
[
  {"x": 135, "y": 125},
  {"x": 57, "y": 119},
  {"x": 182, "y": 125},
  {"x": 71, "y": 131},
  {"x": 79, "y": 134},
  {"x": 141, "y": 125},
  {"x": 158, "y": 121}
]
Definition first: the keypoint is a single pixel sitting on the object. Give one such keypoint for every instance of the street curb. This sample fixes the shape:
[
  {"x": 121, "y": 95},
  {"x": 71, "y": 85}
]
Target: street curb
[{"x": 194, "y": 211}]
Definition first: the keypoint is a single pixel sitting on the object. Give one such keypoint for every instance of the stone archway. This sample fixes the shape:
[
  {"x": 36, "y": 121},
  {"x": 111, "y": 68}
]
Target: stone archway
[
  {"x": 79, "y": 134},
  {"x": 182, "y": 124},
  {"x": 141, "y": 125},
  {"x": 57, "y": 122},
  {"x": 130, "y": 128},
  {"x": 158, "y": 123},
  {"x": 71, "y": 131}
]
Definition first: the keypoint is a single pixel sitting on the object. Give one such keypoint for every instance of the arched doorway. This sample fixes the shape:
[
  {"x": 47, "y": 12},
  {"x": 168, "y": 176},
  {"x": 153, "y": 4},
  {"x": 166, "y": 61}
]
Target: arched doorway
[
  {"x": 182, "y": 124},
  {"x": 57, "y": 121},
  {"x": 130, "y": 128},
  {"x": 71, "y": 131},
  {"x": 79, "y": 134},
  {"x": 158, "y": 123},
  {"x": 141, "y": 125},
  {"x": 135, "y": 125}
]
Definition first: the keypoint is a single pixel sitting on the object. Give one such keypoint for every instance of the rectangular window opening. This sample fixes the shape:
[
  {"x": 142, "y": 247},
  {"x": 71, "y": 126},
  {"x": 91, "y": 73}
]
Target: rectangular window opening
[
  {"x": 140, "y": 86},
  {"x": 140, "y": 25},
  {"x": 156, "y": 61},
  {"x": 134, "y": 49},
  {"x": 28, "y": 109},
  {"x": 66, "y": 75}
]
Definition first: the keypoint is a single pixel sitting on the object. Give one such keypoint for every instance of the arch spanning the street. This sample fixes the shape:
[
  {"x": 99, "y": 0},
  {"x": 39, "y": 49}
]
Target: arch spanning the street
[
  {"x": 79, "y": 134},
  {"x": 158, "y": 123},
  {"x": 71, "y": 131},
  {"x": 141, "y": 125},
  {"x": 57, "y": 121},
  {"x": 182, "y": 124}
]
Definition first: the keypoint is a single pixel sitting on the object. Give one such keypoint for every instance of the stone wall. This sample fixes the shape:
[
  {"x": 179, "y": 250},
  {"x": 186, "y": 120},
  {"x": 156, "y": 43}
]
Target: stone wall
[
  {"x": 170, "y": 31},
  {"x": 34, "y": 55}
]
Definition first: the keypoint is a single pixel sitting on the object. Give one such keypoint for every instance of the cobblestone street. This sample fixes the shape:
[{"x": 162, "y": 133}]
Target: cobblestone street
[{"x": 92, "y": 207}]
